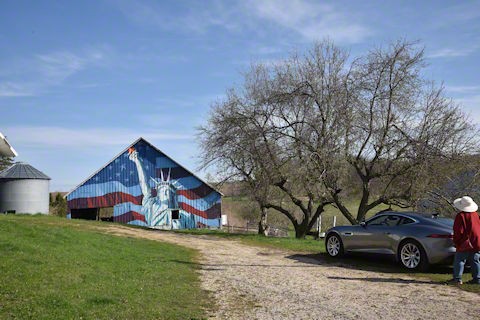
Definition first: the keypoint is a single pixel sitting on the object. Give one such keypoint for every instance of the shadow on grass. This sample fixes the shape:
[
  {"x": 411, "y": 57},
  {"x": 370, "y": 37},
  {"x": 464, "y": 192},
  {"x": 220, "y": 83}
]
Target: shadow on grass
[
  {"x": 373, "y": 264},
  {"x": 366, "y": 262},
  {"x": 355, "y": 262},
  {"x": 437, "y": 274},
  {"x": 391, "y": 280}
]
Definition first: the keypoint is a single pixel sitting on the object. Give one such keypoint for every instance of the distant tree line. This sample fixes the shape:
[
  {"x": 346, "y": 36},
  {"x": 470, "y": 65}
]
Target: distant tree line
[
  {"x": 58, "y": 205},
  {"x": 303, "y": 133}
]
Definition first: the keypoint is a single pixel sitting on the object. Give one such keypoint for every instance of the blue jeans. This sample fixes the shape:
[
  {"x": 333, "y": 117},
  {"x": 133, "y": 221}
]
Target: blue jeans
[{"x": 459, "y": 262}]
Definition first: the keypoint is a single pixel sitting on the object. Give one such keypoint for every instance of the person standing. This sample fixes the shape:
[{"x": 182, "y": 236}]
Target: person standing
[{"x": 466, "y": 237}]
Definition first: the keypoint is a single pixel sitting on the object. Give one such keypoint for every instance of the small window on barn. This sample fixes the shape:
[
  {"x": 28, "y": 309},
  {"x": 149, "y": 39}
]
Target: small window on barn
[{"x": 175, "y": 214}]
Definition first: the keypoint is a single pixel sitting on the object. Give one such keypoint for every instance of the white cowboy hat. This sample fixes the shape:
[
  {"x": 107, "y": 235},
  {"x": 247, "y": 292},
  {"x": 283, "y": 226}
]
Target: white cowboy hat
[{"x": 465, "y": 204}]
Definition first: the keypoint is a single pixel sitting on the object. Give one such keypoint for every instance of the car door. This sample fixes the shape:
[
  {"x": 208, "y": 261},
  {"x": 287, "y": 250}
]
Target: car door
[
  {"x": 361, "y": 237},
  {"x": 386, "y": 235},
  {"x": 377, "y": 233}
]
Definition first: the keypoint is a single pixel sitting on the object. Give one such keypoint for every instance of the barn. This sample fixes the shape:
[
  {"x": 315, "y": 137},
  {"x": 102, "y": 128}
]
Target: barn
[{"x": 146, "y": 187}]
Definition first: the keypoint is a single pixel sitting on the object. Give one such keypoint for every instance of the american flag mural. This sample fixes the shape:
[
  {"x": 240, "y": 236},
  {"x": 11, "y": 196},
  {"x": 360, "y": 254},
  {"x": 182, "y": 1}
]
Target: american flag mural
[{"x": 147, "y": 188}]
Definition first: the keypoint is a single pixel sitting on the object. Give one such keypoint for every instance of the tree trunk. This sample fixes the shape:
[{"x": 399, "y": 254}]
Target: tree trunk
[
  {"x": 263, "y": 228},
  {"x": 346, "y": 213},
  {"x": 302, "y": 229}
]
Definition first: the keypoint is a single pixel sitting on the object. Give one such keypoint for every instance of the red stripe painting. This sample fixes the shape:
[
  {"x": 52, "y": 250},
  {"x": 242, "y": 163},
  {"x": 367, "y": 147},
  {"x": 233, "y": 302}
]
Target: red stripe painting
[
  {"x": 108, "y": 200},
  {"x": 129, "y": 216},
  {"x": 196, "y": 193},
  {"x": 212, "y": 213}
]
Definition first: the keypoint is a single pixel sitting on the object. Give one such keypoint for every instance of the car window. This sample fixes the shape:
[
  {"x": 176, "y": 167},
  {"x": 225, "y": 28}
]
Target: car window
[
  {"x": 386, "y": 220},
  {"x": 405, "y": 220},
  {"x": 393, "y": 220},
  {"x": 379, "y": 221}
]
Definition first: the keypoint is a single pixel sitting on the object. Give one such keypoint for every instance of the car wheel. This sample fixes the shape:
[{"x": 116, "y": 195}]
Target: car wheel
[
  {"x": 412, "y": 256},
  {"x": 334, "y": 246}
]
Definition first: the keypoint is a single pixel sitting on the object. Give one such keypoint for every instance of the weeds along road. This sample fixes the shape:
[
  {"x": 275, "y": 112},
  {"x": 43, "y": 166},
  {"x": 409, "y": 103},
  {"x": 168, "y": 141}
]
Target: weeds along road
[{"x": 257, "y": 283}]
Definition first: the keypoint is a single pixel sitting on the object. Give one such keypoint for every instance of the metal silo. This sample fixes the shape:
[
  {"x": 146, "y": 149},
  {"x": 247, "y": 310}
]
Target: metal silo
[{"x": 24, "y": 189}]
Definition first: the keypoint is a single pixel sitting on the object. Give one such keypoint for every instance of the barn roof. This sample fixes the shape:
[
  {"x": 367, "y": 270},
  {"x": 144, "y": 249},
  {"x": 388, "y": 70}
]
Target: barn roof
[
  {"x": 21, "y": 170},
  {"x": 151, "y": 145}
]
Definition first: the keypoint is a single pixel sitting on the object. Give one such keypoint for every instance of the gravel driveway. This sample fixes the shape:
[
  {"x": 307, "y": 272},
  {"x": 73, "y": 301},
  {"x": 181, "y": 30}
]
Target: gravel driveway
[{"x": 257, "y": 283}]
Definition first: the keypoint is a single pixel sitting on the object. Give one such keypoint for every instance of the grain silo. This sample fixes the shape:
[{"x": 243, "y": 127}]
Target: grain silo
[{"x": 24, "y": 189}]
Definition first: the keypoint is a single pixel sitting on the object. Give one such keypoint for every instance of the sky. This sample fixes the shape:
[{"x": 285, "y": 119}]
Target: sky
[{"x": 82, "y": 80}]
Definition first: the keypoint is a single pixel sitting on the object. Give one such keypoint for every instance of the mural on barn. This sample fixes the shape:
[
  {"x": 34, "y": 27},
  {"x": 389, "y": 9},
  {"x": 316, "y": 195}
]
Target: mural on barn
[{"x": 147, "y": 188}]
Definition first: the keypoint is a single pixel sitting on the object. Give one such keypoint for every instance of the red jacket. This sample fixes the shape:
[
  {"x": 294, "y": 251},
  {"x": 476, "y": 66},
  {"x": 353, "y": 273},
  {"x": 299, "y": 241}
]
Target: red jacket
[{"x": 466, "y": 231}]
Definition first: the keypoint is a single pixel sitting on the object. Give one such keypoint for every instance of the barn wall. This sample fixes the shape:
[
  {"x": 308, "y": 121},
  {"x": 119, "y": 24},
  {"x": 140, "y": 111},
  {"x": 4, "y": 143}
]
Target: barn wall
[{"x": 118, "y": 186}]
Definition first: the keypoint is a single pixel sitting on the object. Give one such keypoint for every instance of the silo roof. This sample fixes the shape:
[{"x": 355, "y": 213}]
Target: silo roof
[{"x": 21, "y": 170}]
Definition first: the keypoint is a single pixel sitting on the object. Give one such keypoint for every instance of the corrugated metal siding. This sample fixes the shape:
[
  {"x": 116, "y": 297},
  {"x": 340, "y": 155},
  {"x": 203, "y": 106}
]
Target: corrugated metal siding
[{"x": 117, "y": 185}]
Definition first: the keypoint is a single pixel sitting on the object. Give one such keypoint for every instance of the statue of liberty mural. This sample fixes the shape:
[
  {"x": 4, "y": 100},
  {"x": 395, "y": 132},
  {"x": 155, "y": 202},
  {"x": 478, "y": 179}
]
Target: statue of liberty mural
[{"x": 158, "y": 210}]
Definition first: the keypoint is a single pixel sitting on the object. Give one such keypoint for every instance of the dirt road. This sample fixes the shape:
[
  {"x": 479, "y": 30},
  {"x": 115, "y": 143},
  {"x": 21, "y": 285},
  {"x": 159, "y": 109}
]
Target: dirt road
[{"x": 257, "y": 283}]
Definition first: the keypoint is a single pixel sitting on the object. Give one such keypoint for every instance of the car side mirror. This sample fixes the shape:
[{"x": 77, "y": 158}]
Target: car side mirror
[{"x": 363, "y": 224}]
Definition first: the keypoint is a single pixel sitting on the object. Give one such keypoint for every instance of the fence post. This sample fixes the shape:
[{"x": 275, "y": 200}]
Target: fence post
[
  {"x": 319, "y": 226},
  {"x": 334, "y": 221}
]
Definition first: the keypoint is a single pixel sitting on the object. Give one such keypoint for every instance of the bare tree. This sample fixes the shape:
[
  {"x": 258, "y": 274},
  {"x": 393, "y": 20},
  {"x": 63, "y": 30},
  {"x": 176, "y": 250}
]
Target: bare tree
[
  {"x": 400, "y": 127},
  {"x": 271, "y": 130},
  {"x": 458, "y": 178},
  {"x": 297, "y": 129}
]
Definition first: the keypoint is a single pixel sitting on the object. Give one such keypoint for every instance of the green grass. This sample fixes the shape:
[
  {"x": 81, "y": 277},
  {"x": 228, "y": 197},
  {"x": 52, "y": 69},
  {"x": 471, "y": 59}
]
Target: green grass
[{"x": 53, "y": 268}]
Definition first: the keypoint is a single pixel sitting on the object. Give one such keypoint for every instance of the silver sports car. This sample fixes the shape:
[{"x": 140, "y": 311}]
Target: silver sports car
[{"x": 415, "y": 240}]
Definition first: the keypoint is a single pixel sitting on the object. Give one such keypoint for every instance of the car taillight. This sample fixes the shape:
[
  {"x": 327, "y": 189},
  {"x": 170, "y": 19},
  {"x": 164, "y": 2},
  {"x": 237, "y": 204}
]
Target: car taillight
[{"x": 449, "y": 236}]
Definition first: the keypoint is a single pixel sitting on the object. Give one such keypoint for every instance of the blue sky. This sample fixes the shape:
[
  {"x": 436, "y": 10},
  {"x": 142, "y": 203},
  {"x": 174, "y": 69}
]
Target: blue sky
[{"x": 81, "y": 80}]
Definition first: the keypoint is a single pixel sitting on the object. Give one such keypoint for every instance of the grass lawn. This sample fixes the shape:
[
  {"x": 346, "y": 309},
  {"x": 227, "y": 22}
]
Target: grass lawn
[
  {"x": 316, "y": 250},
  {"x": 54, "y": 268}
]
